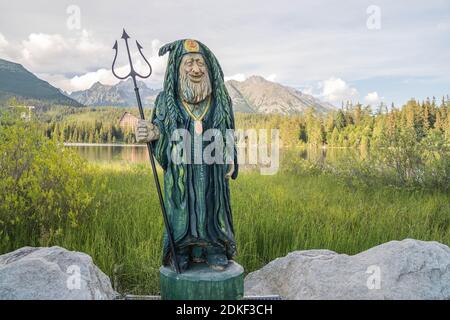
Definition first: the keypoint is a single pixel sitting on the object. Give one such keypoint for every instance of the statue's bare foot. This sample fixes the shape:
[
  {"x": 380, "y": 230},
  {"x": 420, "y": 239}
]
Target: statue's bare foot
[{"x": 217, "y": 262}]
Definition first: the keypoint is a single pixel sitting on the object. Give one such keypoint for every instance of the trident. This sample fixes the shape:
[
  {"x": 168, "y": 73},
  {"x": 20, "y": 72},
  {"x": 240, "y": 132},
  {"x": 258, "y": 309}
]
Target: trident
[{"x": 133, "y": 74}]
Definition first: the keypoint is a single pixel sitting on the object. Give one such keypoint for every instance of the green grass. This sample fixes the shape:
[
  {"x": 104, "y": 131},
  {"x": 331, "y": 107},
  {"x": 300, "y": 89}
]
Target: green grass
[{"x": 273, "y": 215}]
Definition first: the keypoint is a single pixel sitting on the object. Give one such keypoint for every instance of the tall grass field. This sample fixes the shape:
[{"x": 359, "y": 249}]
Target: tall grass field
[{"x": 273, "y": 215}]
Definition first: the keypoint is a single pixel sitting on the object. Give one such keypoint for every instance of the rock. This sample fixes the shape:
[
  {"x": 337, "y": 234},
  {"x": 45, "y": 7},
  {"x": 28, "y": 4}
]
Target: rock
[
  {"x": 408, "y": 269},
  {"x": 52, "y": 273}
]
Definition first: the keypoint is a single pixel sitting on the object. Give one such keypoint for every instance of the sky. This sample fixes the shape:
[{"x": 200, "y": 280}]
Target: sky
[{"x": 364, "y": 51}]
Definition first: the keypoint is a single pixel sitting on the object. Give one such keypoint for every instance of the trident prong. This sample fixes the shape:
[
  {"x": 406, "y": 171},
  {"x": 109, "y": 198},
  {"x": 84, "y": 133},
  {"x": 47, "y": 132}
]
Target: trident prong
[
  {"x": 145, "y": 59},
  {"x": 115, "y": 47},
  {"x": 133, "y": 74}
]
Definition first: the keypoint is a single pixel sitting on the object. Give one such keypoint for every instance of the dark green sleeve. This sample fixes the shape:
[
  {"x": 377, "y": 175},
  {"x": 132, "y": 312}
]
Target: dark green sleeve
[
  {"x": 160, "y": 145},
  {"x": 233, "y": 126}
]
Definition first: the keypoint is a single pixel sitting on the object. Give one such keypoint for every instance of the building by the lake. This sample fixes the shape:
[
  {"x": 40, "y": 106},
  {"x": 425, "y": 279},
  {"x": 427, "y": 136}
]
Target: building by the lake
[{"x": 128, "y": 121}]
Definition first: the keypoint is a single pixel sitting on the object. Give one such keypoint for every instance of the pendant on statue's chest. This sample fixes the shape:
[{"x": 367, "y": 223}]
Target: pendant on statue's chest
[{"x": 198, "y": 127}]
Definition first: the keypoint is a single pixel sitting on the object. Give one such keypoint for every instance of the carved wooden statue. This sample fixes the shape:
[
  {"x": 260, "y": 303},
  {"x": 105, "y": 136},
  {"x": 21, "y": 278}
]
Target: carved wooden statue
[{"x": 197, "y": 196}]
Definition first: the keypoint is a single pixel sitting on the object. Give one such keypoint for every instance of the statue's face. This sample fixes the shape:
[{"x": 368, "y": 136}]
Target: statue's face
[
  {"x": 194, "y": 66},
  {"x": 194, "y": 82}
]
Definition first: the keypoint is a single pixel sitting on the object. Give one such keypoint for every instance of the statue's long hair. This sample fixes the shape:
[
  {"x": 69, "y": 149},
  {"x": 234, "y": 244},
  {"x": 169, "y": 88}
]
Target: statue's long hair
[{"x": 223, "y": 115}]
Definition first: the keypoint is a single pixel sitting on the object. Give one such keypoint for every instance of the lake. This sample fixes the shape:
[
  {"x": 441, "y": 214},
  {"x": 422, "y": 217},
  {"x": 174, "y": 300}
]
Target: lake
[
  {"x": 138, "y": 153},
  {"x": 111, "y": 152}
]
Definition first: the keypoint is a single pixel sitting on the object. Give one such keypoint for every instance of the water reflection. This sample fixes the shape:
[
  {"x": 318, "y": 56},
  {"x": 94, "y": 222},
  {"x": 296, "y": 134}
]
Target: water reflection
[
  {"x": 138, "y": 153},
  {"x": 110, "y": 153}
]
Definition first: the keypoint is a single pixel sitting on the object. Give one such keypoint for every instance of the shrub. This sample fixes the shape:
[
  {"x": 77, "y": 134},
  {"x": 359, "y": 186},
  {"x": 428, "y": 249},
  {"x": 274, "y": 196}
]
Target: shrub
[
  {"x": 436, "y": 159},
  {"x": 42, "y": 185},
  {"x": 398, "y": 160}
]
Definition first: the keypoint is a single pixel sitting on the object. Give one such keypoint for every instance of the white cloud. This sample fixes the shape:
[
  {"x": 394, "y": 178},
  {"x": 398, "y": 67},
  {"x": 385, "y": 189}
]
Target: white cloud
[
  {"x": 271, "y": 77},
  {"x": 54, "y": 53},
  {"x": 5, "y": 48},
  {"x": 3, "y": 41},
  {"x": 104, "y": 75},
  {"x": 238, "y": 77},
  {"x": 81, "y": 82},
  {"x": 443, "y": 26},
  {"x": 372, "y": 98},
  {"x": 87, "y": 80},
  {"x": 335, "y": 90},
  {"x": 297, "y": 46},
  {"x": 39, "y": 45},
  {"x": 307, "y": 90}
]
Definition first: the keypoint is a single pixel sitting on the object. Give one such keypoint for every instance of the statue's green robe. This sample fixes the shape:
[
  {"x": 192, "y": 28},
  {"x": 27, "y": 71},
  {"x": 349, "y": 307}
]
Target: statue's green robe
[{"x": 196, "y": 196}]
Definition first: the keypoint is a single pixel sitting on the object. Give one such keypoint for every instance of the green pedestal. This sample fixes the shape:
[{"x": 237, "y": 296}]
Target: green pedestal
[{"x": 200, "y": 282}]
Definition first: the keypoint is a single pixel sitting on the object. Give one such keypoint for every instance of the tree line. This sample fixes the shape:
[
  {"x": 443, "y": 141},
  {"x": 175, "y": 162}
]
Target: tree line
[
  {"x": 87, "y": 125},
  {"x": 349, "y": 126},
  {"x": 89, "y": 132},
  {"x": 358, "y": 126}
]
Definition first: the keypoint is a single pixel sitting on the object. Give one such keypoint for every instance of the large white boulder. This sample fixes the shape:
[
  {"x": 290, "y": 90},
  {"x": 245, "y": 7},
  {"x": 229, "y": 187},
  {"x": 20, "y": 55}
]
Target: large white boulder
[
  {"x": 52, "y": 273},
  {"x": 408, "y": 269}
]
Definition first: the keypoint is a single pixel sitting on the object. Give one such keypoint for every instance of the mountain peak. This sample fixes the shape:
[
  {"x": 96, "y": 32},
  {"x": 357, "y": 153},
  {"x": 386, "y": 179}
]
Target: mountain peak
[
  {"x": 121, "y": 94},
  {"x": 130, "y": 84},
  {"x": 253, "y": 95},
  {"x": 252, "y": 78},
  {"x": 98, "y": 84},
  {"x": 257, "y": 78},
  {"x": 18, "y": 82},
  {"x": 260, "y": 95}
]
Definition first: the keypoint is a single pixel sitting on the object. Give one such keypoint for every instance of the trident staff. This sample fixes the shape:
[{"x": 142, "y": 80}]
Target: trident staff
[{"x": 133, "y": 74}]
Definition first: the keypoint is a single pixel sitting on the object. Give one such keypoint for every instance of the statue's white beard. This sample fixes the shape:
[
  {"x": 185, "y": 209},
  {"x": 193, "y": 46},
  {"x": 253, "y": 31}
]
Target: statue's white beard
[{"x": 194, "y": 92}]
